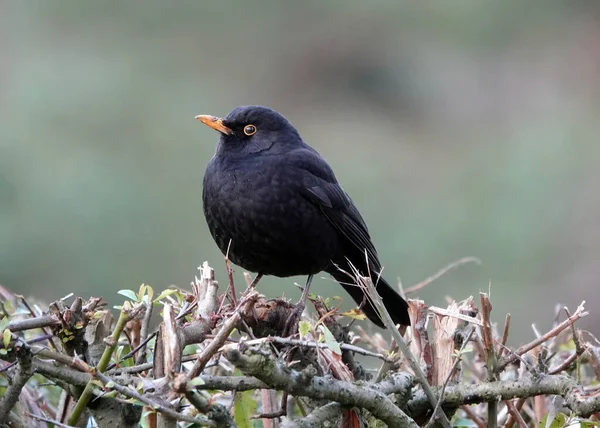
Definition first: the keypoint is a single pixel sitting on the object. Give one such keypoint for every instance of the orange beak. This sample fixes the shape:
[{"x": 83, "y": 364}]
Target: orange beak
[{"x": 215, "y": 123}]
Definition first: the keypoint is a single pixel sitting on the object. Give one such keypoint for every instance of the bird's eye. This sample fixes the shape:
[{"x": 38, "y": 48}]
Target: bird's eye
[{"x": 249, "y": 130}]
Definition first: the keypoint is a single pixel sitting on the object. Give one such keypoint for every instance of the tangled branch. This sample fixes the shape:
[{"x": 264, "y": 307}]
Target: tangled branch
[{"x": 212, "y": 353}]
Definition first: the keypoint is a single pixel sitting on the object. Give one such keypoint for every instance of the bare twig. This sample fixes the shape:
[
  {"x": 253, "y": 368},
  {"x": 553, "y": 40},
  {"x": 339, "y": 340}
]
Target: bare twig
[
  {"x": 474, "y": 417},
  {"x": 438, "y": 274},
  {"x": 453, "y": 314},
  {"x": 47, "y": 420},
  {"x": 519, "y": 404},
  {"x": 144, "y": 337},
  {"x": 579, "y": 313},
  {"x": 389, "y": 323},
  {"x": 579, "y": 348},
  {"x": 13, "y": 390},
  {"x": 222, "y": 335},
  {"x": 231, "y": 286},
  {"x": 504, "y": 335},
  {"x": 142, "y": 344},
  {"x": 567, "y": 363},
  {"x": 31, "y": 323},
  {"x": 308, "y": 344},
  {"x": 515, "y": 414},
  {"x": 128, "y": 392},
  {"x": 34, "y": 315}
]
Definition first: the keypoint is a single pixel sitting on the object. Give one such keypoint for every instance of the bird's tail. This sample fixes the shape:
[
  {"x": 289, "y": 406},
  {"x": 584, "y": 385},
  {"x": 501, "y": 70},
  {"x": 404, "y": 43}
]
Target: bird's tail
[{"x": 394, "y": 303}]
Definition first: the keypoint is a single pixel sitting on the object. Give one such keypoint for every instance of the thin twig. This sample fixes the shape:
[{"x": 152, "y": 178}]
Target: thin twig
[
  {"x": 13, "y": 390},
  {"x": 128, "y": 392},
  {"x": 566, "y": 363},
  {"x": 473, "y": 416},
  {"x": 504, "y": 335},
  {"x": 308, "y": 344},
  {"x": 31, "y": 323},
  {"x": 446, "y": 313},
  {"x": 578, "y": 346},
  {"x": 389, "y": 323},
  {"x": 579, "y": 313},
  {"x": 511, "y": 419},
  {"x": 47, "y": 420},
  {"x": 134, "y": 350},
  {"x": 34, "y": 315},
  {"x": 147, "y": 366},
  {"x": 515, "y": 414},
  {"x": 439, "y": 273},
  {"x": 230, "y": 276},
  {"x": 141, "y": 357},
  {"x": 222, "y": 335}
]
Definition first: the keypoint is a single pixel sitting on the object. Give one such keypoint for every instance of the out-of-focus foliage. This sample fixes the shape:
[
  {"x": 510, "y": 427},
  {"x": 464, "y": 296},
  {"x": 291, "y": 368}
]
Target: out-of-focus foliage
[{"x": 459, "y": 129}]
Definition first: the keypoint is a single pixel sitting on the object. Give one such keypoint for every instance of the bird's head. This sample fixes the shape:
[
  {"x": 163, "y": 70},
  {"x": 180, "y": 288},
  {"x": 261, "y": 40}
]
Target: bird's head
[{"x": 253, "y": 129}]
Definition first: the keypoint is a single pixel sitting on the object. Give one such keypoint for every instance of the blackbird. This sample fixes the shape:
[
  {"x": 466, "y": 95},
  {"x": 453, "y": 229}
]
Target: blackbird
[{"x": 275, "y": 207}]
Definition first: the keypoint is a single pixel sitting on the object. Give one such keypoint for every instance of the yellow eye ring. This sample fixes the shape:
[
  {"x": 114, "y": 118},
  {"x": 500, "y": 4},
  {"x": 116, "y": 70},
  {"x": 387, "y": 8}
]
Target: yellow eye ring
[{"x": 249, "y": 130}]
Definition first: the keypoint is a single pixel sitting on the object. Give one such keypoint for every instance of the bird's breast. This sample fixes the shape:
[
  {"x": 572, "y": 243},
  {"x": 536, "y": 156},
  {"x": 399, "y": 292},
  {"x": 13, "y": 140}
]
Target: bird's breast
[{"x": 272, "y": 227}]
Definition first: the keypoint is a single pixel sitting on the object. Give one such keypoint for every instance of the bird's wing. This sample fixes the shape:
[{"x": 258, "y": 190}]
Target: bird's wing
[
  {"x": 341, "y": 212},
  {"x": 321, "y": 188}
]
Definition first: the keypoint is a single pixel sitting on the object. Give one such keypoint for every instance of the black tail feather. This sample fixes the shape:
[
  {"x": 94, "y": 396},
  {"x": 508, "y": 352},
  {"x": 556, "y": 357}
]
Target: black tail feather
[{"x": 394, "y": 303}]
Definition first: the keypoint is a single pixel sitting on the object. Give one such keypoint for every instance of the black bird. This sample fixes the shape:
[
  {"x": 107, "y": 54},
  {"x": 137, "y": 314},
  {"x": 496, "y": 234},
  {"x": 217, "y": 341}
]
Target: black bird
[{"x": 273, "y": 204}]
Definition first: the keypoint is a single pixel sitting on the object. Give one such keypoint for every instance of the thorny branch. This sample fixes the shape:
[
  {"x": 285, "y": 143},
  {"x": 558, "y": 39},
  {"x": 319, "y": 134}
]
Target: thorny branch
[
  {"x": 11, "y": 395},
  {"x": 559, "y": 385},
  {"x": 306, "y": 383},
  {"x": 186, "y": 392}
]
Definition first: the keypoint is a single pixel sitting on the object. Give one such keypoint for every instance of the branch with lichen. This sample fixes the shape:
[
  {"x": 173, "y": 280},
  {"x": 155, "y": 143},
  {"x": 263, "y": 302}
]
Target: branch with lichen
[{"x": 211, "y": 348}]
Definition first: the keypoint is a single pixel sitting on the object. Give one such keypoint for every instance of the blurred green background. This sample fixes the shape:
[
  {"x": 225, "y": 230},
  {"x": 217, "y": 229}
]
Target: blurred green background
[{"x": 459, "y": 129}]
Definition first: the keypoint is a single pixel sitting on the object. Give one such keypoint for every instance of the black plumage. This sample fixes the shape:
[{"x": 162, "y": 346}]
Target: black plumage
[{"x": 274, "y": 204}]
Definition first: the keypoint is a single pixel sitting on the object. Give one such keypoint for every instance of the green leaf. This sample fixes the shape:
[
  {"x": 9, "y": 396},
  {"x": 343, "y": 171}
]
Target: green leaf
[
  {"x": 130, "y": 294},
  {"x": 355, "y": 314},
  {"x": 196, "y": 381},
  {"x": 463, "y": 423},
  {"x": 330, "y": 341},
  {"x": 165, "y": 293},
  {"x": 458, "y": 353},
  {"x": 149, "y": 293},
  {"x": 556, "y": 421},
  {"x": 303, "y": 328},
  {"x": 6, "y": 337},
  {"x": 124, "y": 350},
  {"x": 3, "y": 323},
  {"x": 244, "y": 407},
  {"x": 569, "y": 346}
]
